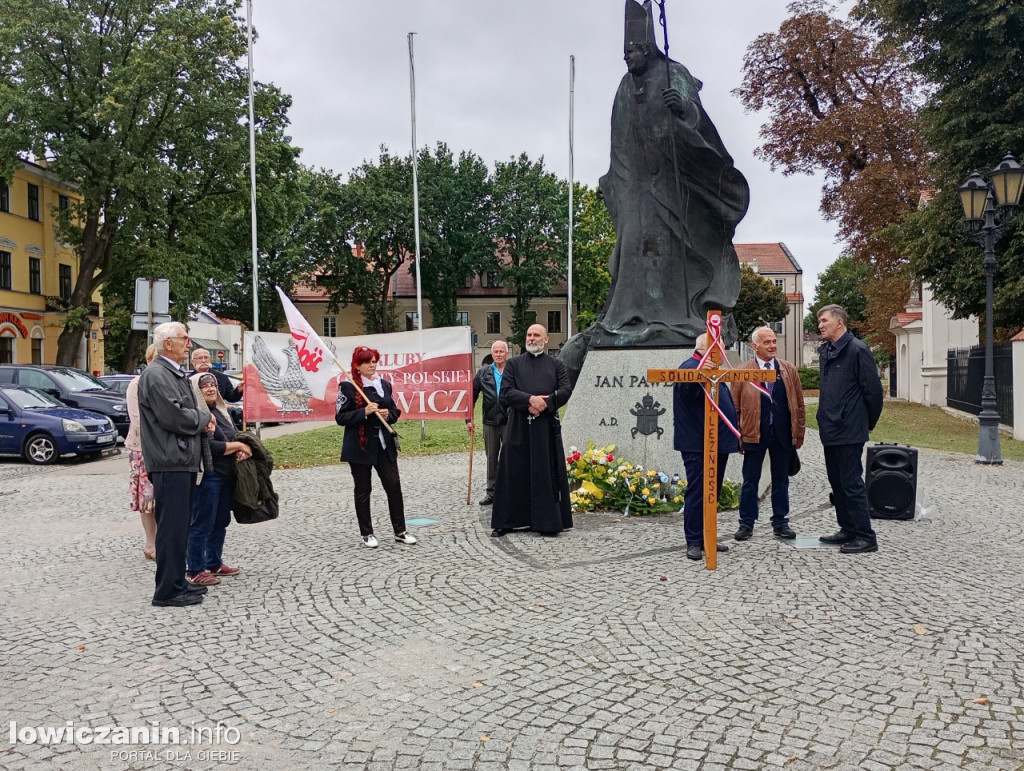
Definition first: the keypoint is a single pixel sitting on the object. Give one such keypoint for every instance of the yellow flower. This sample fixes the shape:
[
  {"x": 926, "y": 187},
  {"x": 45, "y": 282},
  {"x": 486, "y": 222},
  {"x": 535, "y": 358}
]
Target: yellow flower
[
  {"x": 677, "y": 499},
  {"x": 650, "y": 501},
  {"x": 652, "y": 473},
  {"x": 645, "y": 491},
  {"x": 632, "y": 488}
]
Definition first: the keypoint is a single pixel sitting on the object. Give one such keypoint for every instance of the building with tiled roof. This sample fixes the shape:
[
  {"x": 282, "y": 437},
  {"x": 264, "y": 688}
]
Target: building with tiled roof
[{"x": 776, "y": 263}]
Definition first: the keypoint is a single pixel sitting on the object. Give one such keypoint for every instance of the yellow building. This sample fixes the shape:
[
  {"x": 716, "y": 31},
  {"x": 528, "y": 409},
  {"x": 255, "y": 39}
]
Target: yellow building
[{"x": 38, "y": 272}]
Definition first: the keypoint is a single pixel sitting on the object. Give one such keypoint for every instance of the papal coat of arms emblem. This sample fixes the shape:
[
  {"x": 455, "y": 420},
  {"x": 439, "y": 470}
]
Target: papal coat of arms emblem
[{"x": 647, "y": 413}]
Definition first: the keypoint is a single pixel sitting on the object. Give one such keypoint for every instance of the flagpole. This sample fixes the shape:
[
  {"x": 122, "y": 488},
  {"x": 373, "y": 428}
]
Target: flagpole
[
  {"x": 416, "y": 213},
  {"x": 572, "y": 84},
  {"x": 252, "y": 179}
]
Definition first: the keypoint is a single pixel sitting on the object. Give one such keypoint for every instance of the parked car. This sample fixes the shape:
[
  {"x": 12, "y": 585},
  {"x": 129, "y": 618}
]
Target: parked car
[
  {"x": 117, "y": 382},
  {"x": 38, "y": 427},
  {"x": 73, "y": 387}
]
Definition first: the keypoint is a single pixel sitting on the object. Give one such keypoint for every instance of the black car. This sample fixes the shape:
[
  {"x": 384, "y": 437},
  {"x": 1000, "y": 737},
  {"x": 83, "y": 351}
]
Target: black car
[{"x": 73, "y": 387}]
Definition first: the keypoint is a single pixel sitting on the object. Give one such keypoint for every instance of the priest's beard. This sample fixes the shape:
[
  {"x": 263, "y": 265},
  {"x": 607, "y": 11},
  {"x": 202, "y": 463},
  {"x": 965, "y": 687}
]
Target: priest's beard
[{"x": 534, "y": 349}]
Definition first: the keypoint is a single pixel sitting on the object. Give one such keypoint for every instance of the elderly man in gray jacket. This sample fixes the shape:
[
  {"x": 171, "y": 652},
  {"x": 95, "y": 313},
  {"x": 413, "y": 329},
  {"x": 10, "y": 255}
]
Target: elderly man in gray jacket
[{"x": 171, "y": 423}]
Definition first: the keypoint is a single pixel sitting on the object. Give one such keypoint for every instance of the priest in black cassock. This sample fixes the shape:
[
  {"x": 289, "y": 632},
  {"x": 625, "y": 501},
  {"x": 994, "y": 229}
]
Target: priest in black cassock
[{"x": 533, "y": 488}]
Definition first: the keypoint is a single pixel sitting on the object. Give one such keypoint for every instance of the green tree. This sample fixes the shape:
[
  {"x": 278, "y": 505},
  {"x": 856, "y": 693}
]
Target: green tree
[
  {"x": 111, "y": 94},
  {"x": 454, "y": 227},
  {"x": 592, "y": 245},
  {"x": 760, "y": 302},
  {"x": 531, "y": 213},
  {"x": 375, "y": 206},
  {"x": 841, "y": 283},
  {"x": 970, "y": 55},
  {"x": 845, "y": 103}
]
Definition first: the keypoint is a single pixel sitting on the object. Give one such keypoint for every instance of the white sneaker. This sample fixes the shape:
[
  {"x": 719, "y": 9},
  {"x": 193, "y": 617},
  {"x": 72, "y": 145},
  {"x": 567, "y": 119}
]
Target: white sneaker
[
  {"x": 406, "y": 538},
  {"x": 370, "y": 540}
]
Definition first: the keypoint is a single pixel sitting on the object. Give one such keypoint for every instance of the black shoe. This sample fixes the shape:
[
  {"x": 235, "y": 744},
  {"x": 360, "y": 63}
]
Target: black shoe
[
  {"x": 487, "y": 501},
  {"x": 743, "y": 533},
  {"x": 722, "y": 548},
  {"x": 499, "y": 532},
  {"x": 859, "y": 546},
  {"x": 785, "y": 532},
  {"x": 179, "y": 600},
  {"x": 196, "y": 589},
  {"x": 694, "y": 552},
  {"x": 840, "y": 537}
]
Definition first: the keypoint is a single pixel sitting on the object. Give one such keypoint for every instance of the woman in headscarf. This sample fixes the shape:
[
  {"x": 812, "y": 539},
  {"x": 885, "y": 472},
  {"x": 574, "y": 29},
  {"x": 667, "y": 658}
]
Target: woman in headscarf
[
  {"x": 211, "y": 500},
  {"x": 139, "y": 487},
  {"x": 368, "y": 444}
]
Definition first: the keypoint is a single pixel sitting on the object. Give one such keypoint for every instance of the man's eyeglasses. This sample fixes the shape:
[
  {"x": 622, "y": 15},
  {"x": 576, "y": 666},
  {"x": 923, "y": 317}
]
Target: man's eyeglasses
[{"x": 179, "y": 337}]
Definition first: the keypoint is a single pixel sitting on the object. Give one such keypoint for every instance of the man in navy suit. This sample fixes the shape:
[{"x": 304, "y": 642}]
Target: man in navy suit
[
  {"x": 688, "y": 415},
  {"x": 771, "y": 421}
]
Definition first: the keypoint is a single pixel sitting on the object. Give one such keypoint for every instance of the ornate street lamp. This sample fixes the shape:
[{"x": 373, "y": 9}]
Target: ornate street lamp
[{"x": 986, "y": 225}]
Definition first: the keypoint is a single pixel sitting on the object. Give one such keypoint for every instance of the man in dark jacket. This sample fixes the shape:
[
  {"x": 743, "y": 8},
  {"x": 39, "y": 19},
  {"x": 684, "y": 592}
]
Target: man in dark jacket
[
  {"x": 488, "y": 382},
  {"x": 688, "y": 416},
  {"x": 171, "y": 422},
  {"x": 848, "y": 408},
  {"x": 203, "y": 362}
]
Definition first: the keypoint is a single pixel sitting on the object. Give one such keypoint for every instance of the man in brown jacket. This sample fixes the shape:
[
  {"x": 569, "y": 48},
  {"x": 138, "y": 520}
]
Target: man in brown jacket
[{"x": 771, "y": 423}]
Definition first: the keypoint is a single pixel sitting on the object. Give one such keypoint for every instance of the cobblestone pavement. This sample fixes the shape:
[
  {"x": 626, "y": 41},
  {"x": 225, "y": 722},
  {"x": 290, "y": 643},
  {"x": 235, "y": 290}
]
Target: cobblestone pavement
[{"x": 604, "y": 648}]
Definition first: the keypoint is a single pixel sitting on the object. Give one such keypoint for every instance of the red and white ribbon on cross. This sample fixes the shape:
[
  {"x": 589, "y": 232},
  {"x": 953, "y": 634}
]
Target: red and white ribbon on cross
[{"x": 715, "y": 341}]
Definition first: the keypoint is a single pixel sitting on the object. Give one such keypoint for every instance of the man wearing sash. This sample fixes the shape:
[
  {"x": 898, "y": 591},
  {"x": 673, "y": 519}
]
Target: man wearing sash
[{"x": 771, "y": 421}]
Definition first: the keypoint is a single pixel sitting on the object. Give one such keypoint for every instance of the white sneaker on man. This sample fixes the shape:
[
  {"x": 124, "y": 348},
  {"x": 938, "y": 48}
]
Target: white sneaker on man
[
  {"x": 370, "y": 540},
  {"x": 406, "y": 538}
]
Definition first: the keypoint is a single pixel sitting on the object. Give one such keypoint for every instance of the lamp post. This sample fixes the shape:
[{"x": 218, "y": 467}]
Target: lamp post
[{"x": 989, "y": 210}]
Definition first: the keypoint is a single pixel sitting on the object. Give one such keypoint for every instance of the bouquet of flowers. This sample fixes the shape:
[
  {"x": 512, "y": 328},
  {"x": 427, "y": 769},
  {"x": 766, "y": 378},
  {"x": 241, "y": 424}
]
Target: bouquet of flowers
[{"x": 599, "y": 480}]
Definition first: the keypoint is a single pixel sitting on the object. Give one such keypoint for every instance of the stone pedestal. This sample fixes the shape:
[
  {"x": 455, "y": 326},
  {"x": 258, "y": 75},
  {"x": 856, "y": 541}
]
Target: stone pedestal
[{"x": 614, "y": 404}]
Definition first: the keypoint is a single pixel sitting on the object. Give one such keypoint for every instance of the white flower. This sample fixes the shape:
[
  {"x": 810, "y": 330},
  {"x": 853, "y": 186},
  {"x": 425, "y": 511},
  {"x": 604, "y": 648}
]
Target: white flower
[{"x": 572, "y": 449}]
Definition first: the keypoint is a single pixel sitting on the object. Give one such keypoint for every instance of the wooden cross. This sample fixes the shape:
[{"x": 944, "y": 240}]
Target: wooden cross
[{"x": 709, "y": 377}]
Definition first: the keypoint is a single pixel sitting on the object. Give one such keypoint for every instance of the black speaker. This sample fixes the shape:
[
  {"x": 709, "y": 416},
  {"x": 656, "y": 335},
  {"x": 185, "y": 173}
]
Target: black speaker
[{"x": 891, "y": 479}]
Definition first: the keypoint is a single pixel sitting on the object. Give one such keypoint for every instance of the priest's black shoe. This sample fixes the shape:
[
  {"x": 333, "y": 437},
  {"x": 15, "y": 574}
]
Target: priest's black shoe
[
  {"x": 785, "y": 532},
  {"x": 195, "y": 589},
  {"x": 743, "y": 533},
  {"x": 859, "y": 546},
  {"x": 487, "y": 501},
  {"x": 179, "y": 600},
  {"x": 498, "y": 532},
  {"x": 694, "y": 552},
  {"x": 837, "y": 538}
]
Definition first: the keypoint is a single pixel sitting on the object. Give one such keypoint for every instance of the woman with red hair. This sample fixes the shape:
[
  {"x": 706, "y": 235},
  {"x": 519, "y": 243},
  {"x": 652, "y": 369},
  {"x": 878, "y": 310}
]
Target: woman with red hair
[{"x": 368, "y": 444}]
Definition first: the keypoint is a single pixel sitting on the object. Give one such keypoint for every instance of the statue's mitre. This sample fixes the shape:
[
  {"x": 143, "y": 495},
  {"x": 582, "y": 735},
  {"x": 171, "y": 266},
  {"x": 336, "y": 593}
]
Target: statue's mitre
[{"x": 639, "y": 25}]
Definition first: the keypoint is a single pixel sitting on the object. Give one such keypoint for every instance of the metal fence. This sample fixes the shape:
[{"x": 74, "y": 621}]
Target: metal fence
[{"x": 965, "y": 375}]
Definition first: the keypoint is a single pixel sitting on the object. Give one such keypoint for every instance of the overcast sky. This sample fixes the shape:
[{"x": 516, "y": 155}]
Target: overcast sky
[{"x": 492, "y": 77}]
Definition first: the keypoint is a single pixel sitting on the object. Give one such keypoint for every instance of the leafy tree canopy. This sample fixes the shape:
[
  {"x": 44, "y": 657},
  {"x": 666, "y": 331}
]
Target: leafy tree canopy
[
  {"x": 128, "y": 100},
  {"x": 593, "y": 242},
  {"x": 760, "y": 302},
  {"x": 971, "y": 57},
  {"x": 841, "y": 283},
  {"x": 530, "y": 222}
]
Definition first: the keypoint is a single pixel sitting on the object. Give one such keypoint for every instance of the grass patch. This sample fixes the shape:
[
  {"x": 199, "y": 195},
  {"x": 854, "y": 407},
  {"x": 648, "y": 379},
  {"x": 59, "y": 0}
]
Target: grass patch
[
  {"x": 322, "y": 446},
  {"x": 930, "y": 427}
]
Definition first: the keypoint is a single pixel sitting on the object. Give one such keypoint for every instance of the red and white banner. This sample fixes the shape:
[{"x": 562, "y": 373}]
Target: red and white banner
[{"x": 431, "y": 373}]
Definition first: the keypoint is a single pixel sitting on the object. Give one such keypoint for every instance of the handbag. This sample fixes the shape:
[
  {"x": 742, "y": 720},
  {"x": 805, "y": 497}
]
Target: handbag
[{"x": 794, "y": 464}]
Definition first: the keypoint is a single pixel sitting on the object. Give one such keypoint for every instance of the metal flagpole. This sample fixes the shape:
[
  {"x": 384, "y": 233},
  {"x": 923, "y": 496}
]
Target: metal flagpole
[
  {"x": 572, "y": 83},
  {"x": 416, "y": 210},
  {"x": 252, "y": 177}
]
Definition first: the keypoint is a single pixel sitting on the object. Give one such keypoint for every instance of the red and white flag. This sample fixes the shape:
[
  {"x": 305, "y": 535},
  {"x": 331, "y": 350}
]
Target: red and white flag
[{"x": 315, "y": 357}]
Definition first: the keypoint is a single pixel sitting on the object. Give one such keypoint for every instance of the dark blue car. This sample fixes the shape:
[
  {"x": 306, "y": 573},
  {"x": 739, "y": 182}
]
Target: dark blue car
[{"x": 38, "y": 427}]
